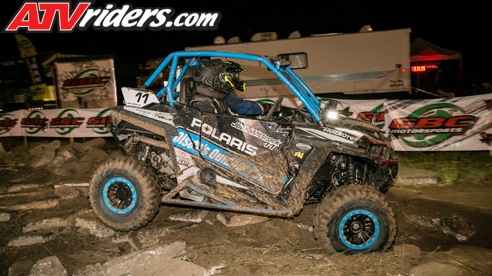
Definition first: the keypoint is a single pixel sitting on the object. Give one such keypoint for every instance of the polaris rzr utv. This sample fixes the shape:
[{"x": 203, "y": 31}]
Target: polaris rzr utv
[{"x": 269, "y": 164}]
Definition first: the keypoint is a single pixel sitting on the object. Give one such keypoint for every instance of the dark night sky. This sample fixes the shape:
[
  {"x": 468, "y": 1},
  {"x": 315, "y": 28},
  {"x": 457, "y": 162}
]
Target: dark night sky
[{"x": 463, "y": 27}]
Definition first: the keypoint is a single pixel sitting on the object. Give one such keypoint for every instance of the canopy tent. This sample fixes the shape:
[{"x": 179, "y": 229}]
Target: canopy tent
[{"x": 422, "y": 50}]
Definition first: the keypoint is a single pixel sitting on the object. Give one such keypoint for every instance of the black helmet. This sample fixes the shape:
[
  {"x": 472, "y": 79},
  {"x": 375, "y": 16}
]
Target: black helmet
[{"x": 220, "y": 75}]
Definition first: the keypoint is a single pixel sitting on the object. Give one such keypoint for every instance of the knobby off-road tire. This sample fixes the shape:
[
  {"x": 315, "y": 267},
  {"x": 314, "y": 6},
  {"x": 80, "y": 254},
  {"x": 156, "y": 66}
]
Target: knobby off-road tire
[
  {"x": 124, "y": 194},
  {"x": 355, "y": 219}
]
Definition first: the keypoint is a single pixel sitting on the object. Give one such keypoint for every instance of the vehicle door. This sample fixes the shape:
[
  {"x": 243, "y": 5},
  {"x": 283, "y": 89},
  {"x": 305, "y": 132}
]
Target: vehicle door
[{"x": 249, "y": 148}]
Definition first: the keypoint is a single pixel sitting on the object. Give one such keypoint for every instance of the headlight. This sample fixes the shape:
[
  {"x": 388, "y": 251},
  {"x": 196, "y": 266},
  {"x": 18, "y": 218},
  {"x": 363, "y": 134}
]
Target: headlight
[
  {"x": 332, "y": 115},
  {"x": 330, "y": 112}
]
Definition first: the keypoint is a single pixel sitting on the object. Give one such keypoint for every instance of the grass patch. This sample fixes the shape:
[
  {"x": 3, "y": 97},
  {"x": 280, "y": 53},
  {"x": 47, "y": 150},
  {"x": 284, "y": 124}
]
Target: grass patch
[{"x": 451, "y": 166}]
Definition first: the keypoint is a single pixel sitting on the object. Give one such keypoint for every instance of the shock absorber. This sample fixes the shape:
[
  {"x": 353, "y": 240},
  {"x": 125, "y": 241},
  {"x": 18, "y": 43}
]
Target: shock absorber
[
  {"x": 350, "y": 170},
  {"x": 142, "y": 155}
]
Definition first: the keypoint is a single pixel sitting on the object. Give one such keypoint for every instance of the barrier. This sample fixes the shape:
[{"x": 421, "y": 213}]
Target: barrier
[
  {"x": 456, "y": 124},
  {"x": 68, "y": 123}
]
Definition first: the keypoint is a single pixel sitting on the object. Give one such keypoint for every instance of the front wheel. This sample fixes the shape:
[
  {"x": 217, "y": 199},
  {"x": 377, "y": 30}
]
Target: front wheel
[
  {"x": 124, "y": 194},
  {"x": 355, "y": 219}
]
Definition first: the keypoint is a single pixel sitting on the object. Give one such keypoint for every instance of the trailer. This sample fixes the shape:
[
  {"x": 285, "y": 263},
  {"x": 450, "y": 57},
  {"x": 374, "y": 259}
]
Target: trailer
[{"x": 369, "y": 64}]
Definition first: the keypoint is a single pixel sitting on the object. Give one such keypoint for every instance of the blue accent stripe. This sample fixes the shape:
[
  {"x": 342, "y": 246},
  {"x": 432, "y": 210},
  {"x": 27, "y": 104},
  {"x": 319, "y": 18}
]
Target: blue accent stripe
[{"x": 324, "y": 78}]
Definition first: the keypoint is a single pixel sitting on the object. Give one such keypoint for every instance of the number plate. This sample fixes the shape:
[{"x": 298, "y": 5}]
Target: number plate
[{"x": 137, "y": 97}]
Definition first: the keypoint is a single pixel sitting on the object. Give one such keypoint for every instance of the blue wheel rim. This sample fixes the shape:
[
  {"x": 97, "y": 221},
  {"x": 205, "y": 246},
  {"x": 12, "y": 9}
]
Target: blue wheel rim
[
  {"x": 359, "y": 229},
  {"x": 119, "y": 195}
]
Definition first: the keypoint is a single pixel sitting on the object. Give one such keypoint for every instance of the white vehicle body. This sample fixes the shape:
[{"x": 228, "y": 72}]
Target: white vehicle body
[{"x": 353, "y": 64}]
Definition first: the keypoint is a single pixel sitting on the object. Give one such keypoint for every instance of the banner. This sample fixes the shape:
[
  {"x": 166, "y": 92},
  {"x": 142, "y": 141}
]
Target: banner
[
  {"x": 86, "y": 82},
  {"x": 457, "y": 124},
  {"x": 440, "y": 125},
  {"x": 59, "y": 123}
]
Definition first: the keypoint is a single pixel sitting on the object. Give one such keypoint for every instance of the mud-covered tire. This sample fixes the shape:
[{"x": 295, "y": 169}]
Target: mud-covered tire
[
  {"x": 355, "y": 219},
  {"x": 124, "y": 194}
]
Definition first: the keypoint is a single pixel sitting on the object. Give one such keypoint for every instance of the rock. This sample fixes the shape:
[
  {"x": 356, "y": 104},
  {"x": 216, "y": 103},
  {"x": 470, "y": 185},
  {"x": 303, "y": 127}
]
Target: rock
[
  {"x": 190, "y": 216},
  {"x": 64, "y": 156},
  {"x": 165, "y": 266},
  {"x": 406, "y": 250},
  {"x": 46, "y": 224},
  {"x": 411, "y": 176},
  {"x": 44, "y": 154},
  {"x": 82, "y": 188},
  {"x": 97, "y": 143},
  {"x": 91, "y": 270},
  {"x": 422, "y": 220},
  {"x": 456, "y": 226},
  {"x": 156, "y": 260},
  {"x": 4, "y": 217},
  {"x": 43, "y": 204},
  {"x": 146, "y": 265},
  {"x": 93, "y": 155},
  {"x": 234, "y": 220},
  {"x": 62, "y": 171},
  {"x": 30, "y": 240},
  {"x": 66, "y": 192},
  {"x": 26, "y": 194},
  {"x": 50, "y": 266},
  {"x": 2, "y": 151},
  {"x": 148, "y": 237},
  {"x": 42, "y": 160},
  {"x": 18, "y": 156},
  {"x": 41, "y": 148},
  {"x": 94, "y": 227},
  {"x": 20, "y": 268},
  {"x": 435, "y": 269},
  {"x": 21, "y": 187}
]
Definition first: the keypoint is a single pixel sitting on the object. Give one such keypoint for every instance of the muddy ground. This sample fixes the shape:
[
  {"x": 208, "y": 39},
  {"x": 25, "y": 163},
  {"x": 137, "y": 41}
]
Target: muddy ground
[{"x": 273, "y": 247}]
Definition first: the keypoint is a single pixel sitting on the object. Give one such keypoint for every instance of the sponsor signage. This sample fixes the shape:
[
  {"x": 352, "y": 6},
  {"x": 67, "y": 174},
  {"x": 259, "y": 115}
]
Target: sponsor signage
[
  {"x": 86, "y": 83},
  {"x": 68, "y": 122},
  {"x": 457, "y": 124}
]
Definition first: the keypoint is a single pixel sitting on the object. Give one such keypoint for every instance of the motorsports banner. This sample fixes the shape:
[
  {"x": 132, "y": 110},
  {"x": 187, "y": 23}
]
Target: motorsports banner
[
  {"x": 60, "y": 123},
  {"x": 457, "y": 124}
]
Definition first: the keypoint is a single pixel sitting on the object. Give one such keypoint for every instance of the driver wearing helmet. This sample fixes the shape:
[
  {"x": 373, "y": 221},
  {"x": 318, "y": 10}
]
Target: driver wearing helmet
[{"x": 216, "y": 82}]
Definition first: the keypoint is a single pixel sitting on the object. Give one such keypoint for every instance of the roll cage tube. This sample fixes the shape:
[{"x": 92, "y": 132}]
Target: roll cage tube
[{"x": 288, "y": 77}]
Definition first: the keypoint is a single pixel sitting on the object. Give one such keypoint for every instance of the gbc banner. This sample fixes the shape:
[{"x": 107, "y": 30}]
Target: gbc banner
[
  {"x": 457, "y": 124},
  {"x": 67, "y": 123},
  {"x": 440, "y": 125},
  {"x": 86, "y": 82}
]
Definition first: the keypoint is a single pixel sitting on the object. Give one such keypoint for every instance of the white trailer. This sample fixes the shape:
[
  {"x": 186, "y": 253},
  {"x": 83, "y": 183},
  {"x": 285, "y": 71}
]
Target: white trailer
[{"x": 371, "y": 64}]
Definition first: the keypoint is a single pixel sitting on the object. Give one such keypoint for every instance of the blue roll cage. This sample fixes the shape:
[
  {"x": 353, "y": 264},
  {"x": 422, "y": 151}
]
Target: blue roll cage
[{"x": 284, "y": 73}]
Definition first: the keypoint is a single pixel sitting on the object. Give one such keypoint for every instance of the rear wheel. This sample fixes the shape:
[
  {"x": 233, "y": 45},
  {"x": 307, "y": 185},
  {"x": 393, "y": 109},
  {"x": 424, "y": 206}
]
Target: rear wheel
[
  {"x": 124, "y": 194},
  {"x": 355, "y": 219}
]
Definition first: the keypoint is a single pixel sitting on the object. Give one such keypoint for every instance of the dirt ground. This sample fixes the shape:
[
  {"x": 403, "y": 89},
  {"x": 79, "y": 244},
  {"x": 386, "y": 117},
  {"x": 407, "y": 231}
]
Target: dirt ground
[{"x": 275, "y": 247}]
